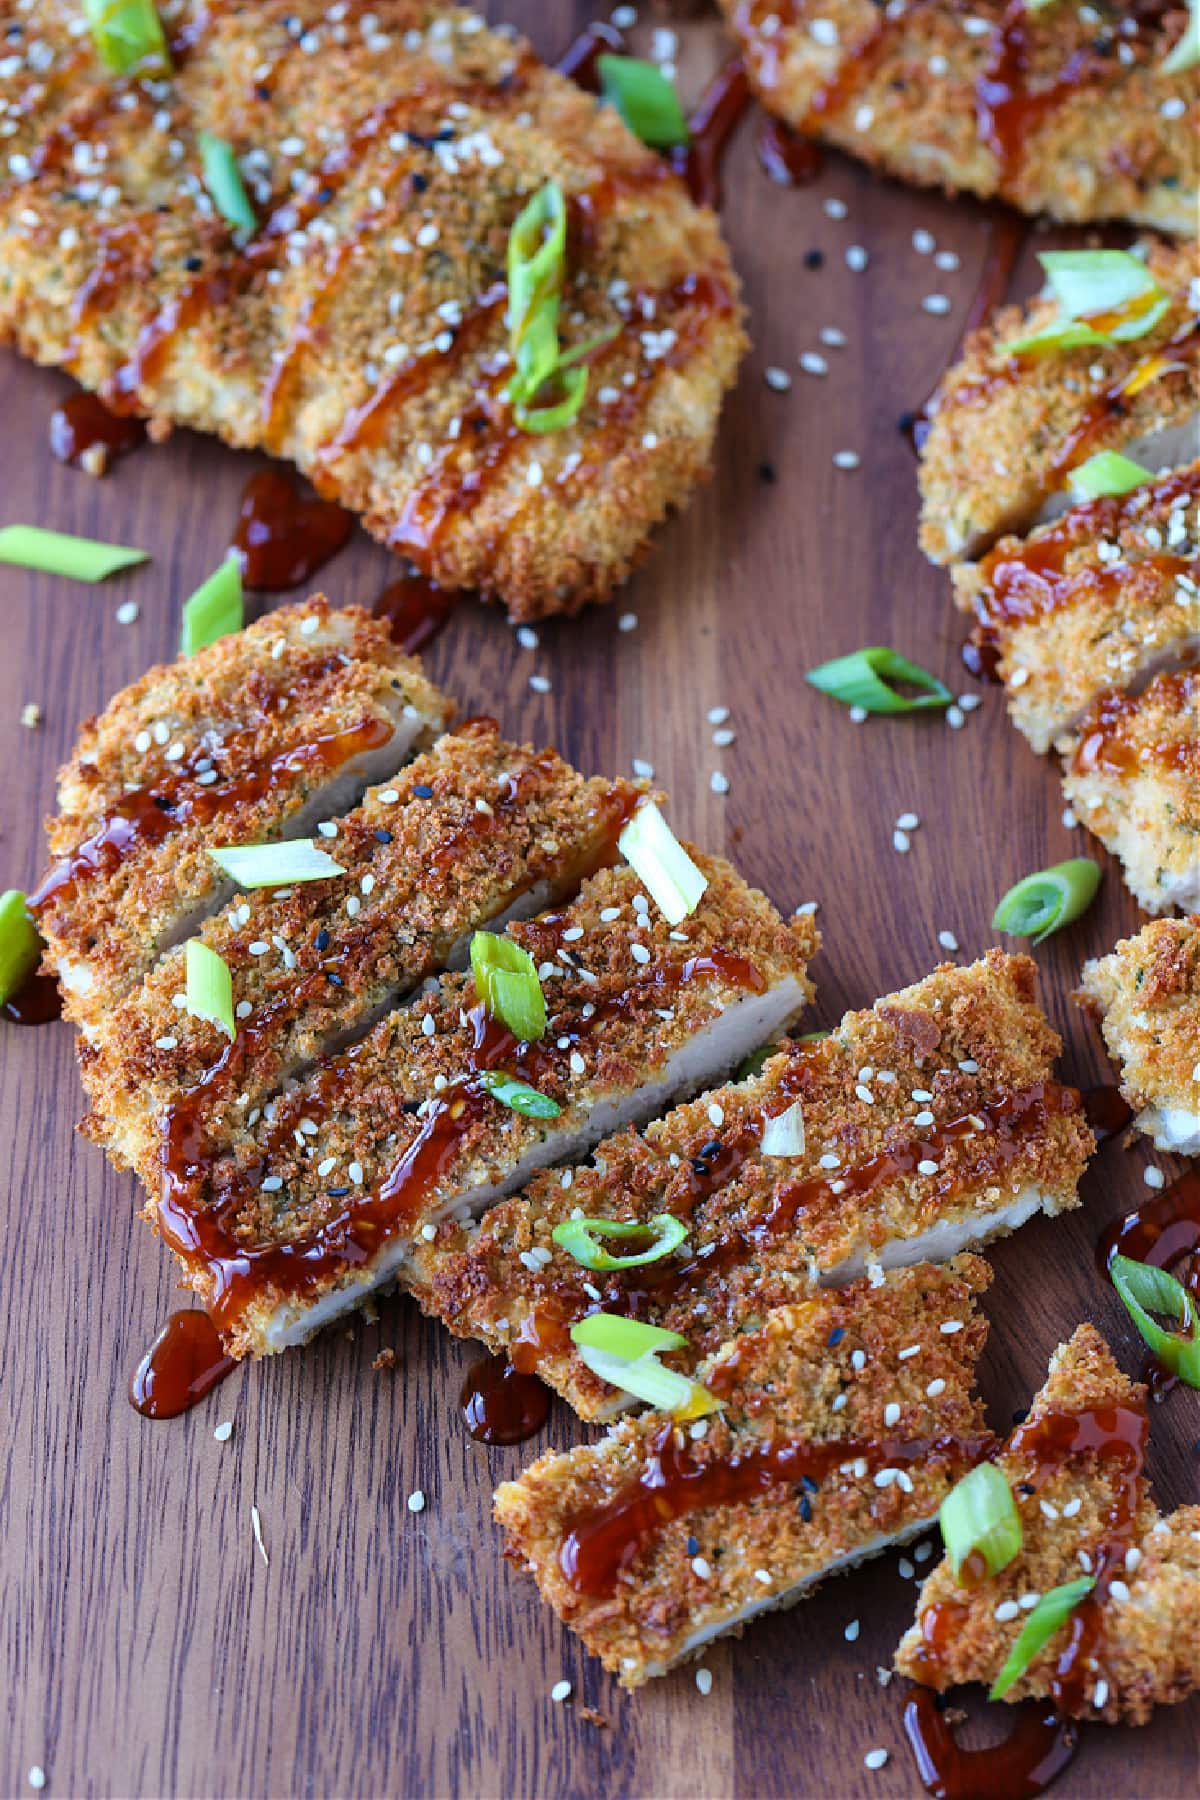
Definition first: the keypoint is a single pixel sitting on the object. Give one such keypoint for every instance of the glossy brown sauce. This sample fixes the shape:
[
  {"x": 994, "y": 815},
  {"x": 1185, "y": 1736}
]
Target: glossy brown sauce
[
  {"x": 500, "y": 1404},
  {"x": 1112, "y": 403},
  {"x": 82, "y": 424},
  {"x": 710, "y": 128},
  {"x": 789, "y": 159},
  {"x": 1106, "y": 1110},
  {"x": 1110, "y": 738},
  {"x": 183, "y": 1364},
  {"x": 579, "y": 60},
  {"x": 282, "y": 538},
  {"x": 1039, "y": 1746},
  {"x": 36, "y": 1002},
  {"x": 416, "y": 610}
]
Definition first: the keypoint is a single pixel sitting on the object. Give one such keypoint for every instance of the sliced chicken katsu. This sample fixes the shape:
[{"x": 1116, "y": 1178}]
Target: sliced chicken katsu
[
  {"x": 1063, "y": 110},
  {"x": 359, "y": 330},
  {"x": 925, "y": 1125},
  {"x": 257, "y": 737},
  {"x": 439, "y": 1110},
  {"x": 1075, "y": 1470},
  {"x": 845, "y": 1420},
  {"x": 1146, "y": 994},
  {"x": 473, "y": 832},
  {"x": 1100, "y": 599},
  {"x": 1007, "y": 430}
]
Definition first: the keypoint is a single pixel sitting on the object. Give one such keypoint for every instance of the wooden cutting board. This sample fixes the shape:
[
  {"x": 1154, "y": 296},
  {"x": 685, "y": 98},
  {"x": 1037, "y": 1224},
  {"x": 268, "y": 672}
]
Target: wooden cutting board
[{"x": 148, "y": 1649}]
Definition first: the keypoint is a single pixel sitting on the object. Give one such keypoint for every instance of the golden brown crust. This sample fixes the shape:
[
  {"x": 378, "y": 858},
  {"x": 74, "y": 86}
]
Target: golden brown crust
[{"x": 1147, "y": 993}]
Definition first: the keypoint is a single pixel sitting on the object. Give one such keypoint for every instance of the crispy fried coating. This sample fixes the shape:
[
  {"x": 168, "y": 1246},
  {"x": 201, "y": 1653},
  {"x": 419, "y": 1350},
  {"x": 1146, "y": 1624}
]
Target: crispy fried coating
[
  {"x": 1057, "y": 111},
  {"x": 359, "y": 331},
  {"x": 875, "y": 1437},
  {"x": 1146, "y": 993}
]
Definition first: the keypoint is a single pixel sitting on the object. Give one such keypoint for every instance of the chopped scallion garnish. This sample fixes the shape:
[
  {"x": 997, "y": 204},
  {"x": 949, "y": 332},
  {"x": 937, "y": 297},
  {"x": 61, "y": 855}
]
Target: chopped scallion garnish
[
  {"x": 1048, "y": 900},
  {"x": 624, "y": 1352},
  {"x": 862, "y": 679},
  {"x": 20, "y": 944},
  {"x": 981, "y": 1527},
  {"x": 276, "y": 865},
  {"x": 651, "y": 848},
  {"x": 784, "y": 1134},
  {"x": 129, "y": 36},
  {"x": 1052, "y": 1610},
  {"x": 1104, "y": 297},
  {"x": 518, "y": 1096},
  {"x": 645, "y": 99},
  {"x": 537, "y": 263},
  {"x": 59, "y": 553},
  {"x": 215, "y": 610},
  {"x": 209, "y": 986},
  {"x": 223, "y": 179},
  {"x": 755, "y": 1062},
  {"x": 506, "y": 980},
  {"x": 1186, "y": 53},
  {"x": 577, "y": 1237},
  {"x": 1108, "y": 472},
  {"x": 1145, "y": 1289}
]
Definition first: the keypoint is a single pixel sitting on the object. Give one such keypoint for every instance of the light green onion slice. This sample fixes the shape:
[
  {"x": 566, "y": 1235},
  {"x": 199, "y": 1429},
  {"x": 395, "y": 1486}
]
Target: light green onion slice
[
  {"x": 755, "y": 1062},
  {"x": 862, "y": 679},
  {"x": 1145, "y": 1289},
  {"x": 623, "y": 1352},
  {"x": 1052, "y": 1610},
  {"x": 651, "y": 848},
  {"x": 276, "y": 865},
  {"x": 1048, "y": 900},
  {"x": 209, "y": 986},
  {"x": 577, "y": 1237},
  {"x": 1186, "y": 53},
  {"x": 20, "y": 945},
  {"x": 784, "y": 1134},
  {"x": 1108, "y": 472},
  {"x": 518, "y": 1096},
  {"x": 537, "y": 263},
  {"x": 1104, "y": 297},
  {"x": 980, "y": 1522},
  {"x": 58, "y": 553},
  {"x": 215, "y": 610},
  {"x": 506, "y": 980},
  {"x": 223, "y": 179},
  {"x": 128, "y": 35},
  {"x": 645, "y": 99}
]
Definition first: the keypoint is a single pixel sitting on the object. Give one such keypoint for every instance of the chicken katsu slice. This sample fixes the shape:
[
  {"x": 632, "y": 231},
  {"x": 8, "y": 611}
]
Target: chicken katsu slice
[
  {"x": 472, "y": 833},
  {"x": 1146, "y": 994},
  {"x": 1059, "y": 110},
  {"x": 1006, "y": 431},
  {"x": 1075, "y": 1470},
  {"x": 1104, "y": 597},
  {"x": 924, "y": 1126},
  {"x": 360, "y": 329},
  {"x": 257, "y": 737},
  {"x": 438, "y": 1110},
  {"x": 845, "y": 1420}
]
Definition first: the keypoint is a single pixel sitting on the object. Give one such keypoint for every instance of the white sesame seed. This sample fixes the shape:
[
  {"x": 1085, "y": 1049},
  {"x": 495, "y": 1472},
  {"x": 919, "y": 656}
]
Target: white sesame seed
[
  {"x": 271, "y": 1184},
  {"x": 891, "y": 1413},
  {"x": 901, "y": 842},
  {"x": 812, "y": 364},
  {"x": 909, "y": 1350},
  {"x": 875, "y": 1759},
  {"x": 723, "y": 738},
  {"x": 969, "y": 1066},
  {"x": 387, "y": 797},
  {"x": 923, "y": 242},
  {"x": 835, "y": 208},
  {"x": 955, "y": 718},
  {"x": 858, "y": 715},
  {"x": 527, "y": 637},
  {"x": 704, "y": 1681},
  {"x": 948, "y": 1327},
  {"x": 1133, "y": 1557},
  {"x": 1006, "y": 1611},
  {"x": 846, "y": 459},
  {"x": 642, "y": 769},
  {"x": 716, "y": 1113},
  {"x": 1100, "y": 1691},
  {"x": 127, "y": 612},
  {"x": 936, "y": 304},
  {"x": 37, "y": 1777},
  {"x": 639, "y": 953},
  {"x": 776, "y": 378},
  {"x": 258, "y": 948},
  {"x": 833, "y": 336},
  {"x": 416, "y": 1501},
  {"x": 327, "y": 828},
  {"x": 560, "y": 1691},
  {"x": 717, "y": 715},
  {"x": 577, "y": 1063},
  {"x": 947, "y": 940},
  {"x": 865, "y": 1095},
  {"x": 628, "y": 621},
  {"x": 907, "y": 821},
  {"x": 852, "y": 1630},
  {"x": 1118, "y": 1590},
  {"x": 718, "y": 782},
  {"x": 355, "y": 1172},
  {"x": 701, "y": 1568},
  {"x": 224, "y": 1432},
  {"x": 1071, "y": 1508},
  {"x": 857, "y": 258},
  {"x": 923, "y": 1118},
  {"x": 540, "y": 684},
  {"x": 946, "y": 259},
  {"x": 858, "y": 1359},
  {"x": 936, "y": 1386},
  {"x": 905, "y": 1569},
  {"x": 1153, "y": 1177},
  {"x": 1027, "y": 1602}
]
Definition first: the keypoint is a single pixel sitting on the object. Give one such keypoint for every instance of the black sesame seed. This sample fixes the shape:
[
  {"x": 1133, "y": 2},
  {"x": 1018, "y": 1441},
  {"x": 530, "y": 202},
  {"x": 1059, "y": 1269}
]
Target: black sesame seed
[
  {"x": 383, "y": 837},
  {"x": 420, "y": 183},
  {"x": 422, "y": 792},
  {"x": 337, "y": 1193},
  {"x": 330, "y": 976},
  {"x": 262, "y": 91},
  {"x": 192, "y": 263},
  {"x": 693, "y": 1546},
  {"x": 325, "y": 195},
  {"x": 162, "y": 803},
  {"x": 766, "y": 472},
  {"x": 805, "y": 1508},
  {"x": 905, "y": 423},
  {"x": 1026, "y": 1488},
  {"x": 814, "y": 259},
  {"x": 712, "y": 1148},
  {"x": 836, "y": 1335},
  {"x": 809, "y": 1485},
  {"x": 322, "y": 939}
]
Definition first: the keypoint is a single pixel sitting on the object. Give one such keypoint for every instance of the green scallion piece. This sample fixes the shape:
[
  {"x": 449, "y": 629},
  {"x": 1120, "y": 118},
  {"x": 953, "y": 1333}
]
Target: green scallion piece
[
  {"x": 981, "y": 1527},
  {"x": 223, "y": 179},
  {"x": 20, "y": 944},
  {"x": 1108, "y": 472},
  {"x": 623, "y": 1352},
  {"x": 518, "y": 1096},
  {"x": 215, "y": 610},
  {"x": 1186, "y": 53},
  {"x": 1048, "y": 900},
  {"x": 276, "y": 865},
  {"x": 862, "y": 679},
  {"x": 1052, "y": 1610},
  {"x": 1104, "y": 297},
  {"x": 653, "y": 851},
  {"x": 537, "y": 262},
  {"x": 58, "y": 553},
  {"x": 645, "y": 99},
  {"x": 1145, "y": 1289},
  {"x": 506, "y": 980},
  {"x": 755, "y": 1063},
  {"x": 128, "y": 35},
  {"x": 577, "y": 1237},
  {"x": 209, "y": 986}
]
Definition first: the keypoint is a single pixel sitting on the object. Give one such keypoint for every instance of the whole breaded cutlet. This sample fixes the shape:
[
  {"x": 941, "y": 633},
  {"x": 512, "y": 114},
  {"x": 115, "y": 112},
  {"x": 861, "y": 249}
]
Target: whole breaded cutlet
[
  {"x": 359, "y": 330},
  {"x": 1146, "y": 993}
]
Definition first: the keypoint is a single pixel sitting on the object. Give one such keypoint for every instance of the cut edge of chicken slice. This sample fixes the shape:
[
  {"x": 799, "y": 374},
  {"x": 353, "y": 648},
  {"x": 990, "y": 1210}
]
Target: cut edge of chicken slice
[{"x": 1146, "y": 995}]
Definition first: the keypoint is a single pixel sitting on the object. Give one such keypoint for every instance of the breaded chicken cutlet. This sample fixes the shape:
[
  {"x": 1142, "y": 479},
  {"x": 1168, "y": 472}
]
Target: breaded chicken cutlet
[
  {"x": 1064, "y": 110},
  {"x": 927, "y": 1125},
  {"x": 845, "y": 1420},
  {"x": 1146, "y": 993},
  {"x": 1075, "y": 1470},
  {"x": 359, "y": 330}
]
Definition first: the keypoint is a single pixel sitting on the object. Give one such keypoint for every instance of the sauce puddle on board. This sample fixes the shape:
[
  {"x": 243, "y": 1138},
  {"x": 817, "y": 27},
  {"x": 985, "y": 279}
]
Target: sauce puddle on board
[
  {"x": 185, "y": 1362},
  {"x": 36, "y": 1002},
  {"x": 86, "y": 435},
  {"x": 500, "y": 1405},
  {"x": 282, "y": 538},
  {"x": 1037, "y": 1749},
  {"x": 417, "y": 610}
]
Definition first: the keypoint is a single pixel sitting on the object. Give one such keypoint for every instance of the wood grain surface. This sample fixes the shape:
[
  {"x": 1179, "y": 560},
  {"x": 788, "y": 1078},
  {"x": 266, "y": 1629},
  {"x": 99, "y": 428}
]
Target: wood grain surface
[{"x": 147, "y": 1647}]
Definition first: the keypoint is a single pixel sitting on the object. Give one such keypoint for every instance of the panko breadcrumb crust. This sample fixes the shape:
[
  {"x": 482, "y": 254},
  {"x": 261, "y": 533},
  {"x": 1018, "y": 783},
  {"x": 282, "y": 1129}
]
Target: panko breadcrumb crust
[
  {"x": 1146, "y": 993},
  {"x": 826, "y": 1368},
  {"x": 1149, "y": 1651},
  {"x": 360, "y": 330}
]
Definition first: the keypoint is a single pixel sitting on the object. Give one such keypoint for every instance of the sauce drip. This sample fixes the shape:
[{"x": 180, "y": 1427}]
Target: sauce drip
[
  {"x": 83, "y": 425},
  {"x": 416, "y": 610},
  {"x": 1109, "y": 734},
  {"x": 789, "y": 159},
  {"x": 1037, "y": 1749},
  {"x": 183, "y": 1364},
  {"x": 1165, "y": 1231},
  {"x": 282, "y": 538},
  {"x": 36, "y": 1002},
  {"x": 580, "y": 59},
  {"x": 1106, "y": 1110},
  {"x": 709, "y": 130},
  {"x": 500, "y": 1405}
]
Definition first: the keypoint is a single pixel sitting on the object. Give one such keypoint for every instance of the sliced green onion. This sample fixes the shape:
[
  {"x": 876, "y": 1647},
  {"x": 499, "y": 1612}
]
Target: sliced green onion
[
  {"x": 862, "y": 678},
  {"x": 1104, "y": 297},
  {"x": 784, "y": 1134},
  {"x": 1108, "y": 472},
  {"x": 128, "y": 35},
  {"x": 215, "y": 610},
  {"x": 537, "y": 263},
  {"x": 223, "y": 179},
  {"x": 1186, "y": 53},
  {"x": 276, "y": 865},
  {"x": 20, "y": 944},
  {"x": 1052, "y": 1610},
  {"x": 645, "y": 99},
  {"x": 626, "y": 1338},
  {"x": 980, "y": 1523},
  {"x": 651, "y": 848},
  {"x": 623, "y": 1352},
  {"x": 59, "y": 553},
  {"x": 518, "y": 1096},
  {"x": 506, "y": 980},
  {"x": 1048, "y": 900},
  {"x": 755, "y": 1063},
  {"x": 209, "y": 986},
  {"x": 577, "y": 1237},
  {"x": 1145, "y": 1289}
]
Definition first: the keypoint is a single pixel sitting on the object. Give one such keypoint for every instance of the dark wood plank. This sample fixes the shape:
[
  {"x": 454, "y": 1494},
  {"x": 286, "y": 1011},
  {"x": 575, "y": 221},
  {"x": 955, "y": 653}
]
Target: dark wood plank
[{"x": 148, "y": 1648}]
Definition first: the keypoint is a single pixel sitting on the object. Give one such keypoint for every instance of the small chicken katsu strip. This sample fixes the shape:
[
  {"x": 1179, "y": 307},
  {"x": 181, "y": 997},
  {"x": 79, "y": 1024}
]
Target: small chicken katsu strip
[
  {"x": 474, "y": 832},
  {"x": 256, "y": 737},
  {"x": 360, "y": 330},
  {"x": 929, "y": 1124},
  {"x": 1146, "y": 994},
  {"x": 1075, "y": 1469},
  {"x": 1105, "y": 597},
  {"x": 846, "y": 1418},
  {"x": 320, "y": 1196},
  {"x": 1063, "y": 110},
  {"x": 1006, "y": 431}
]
